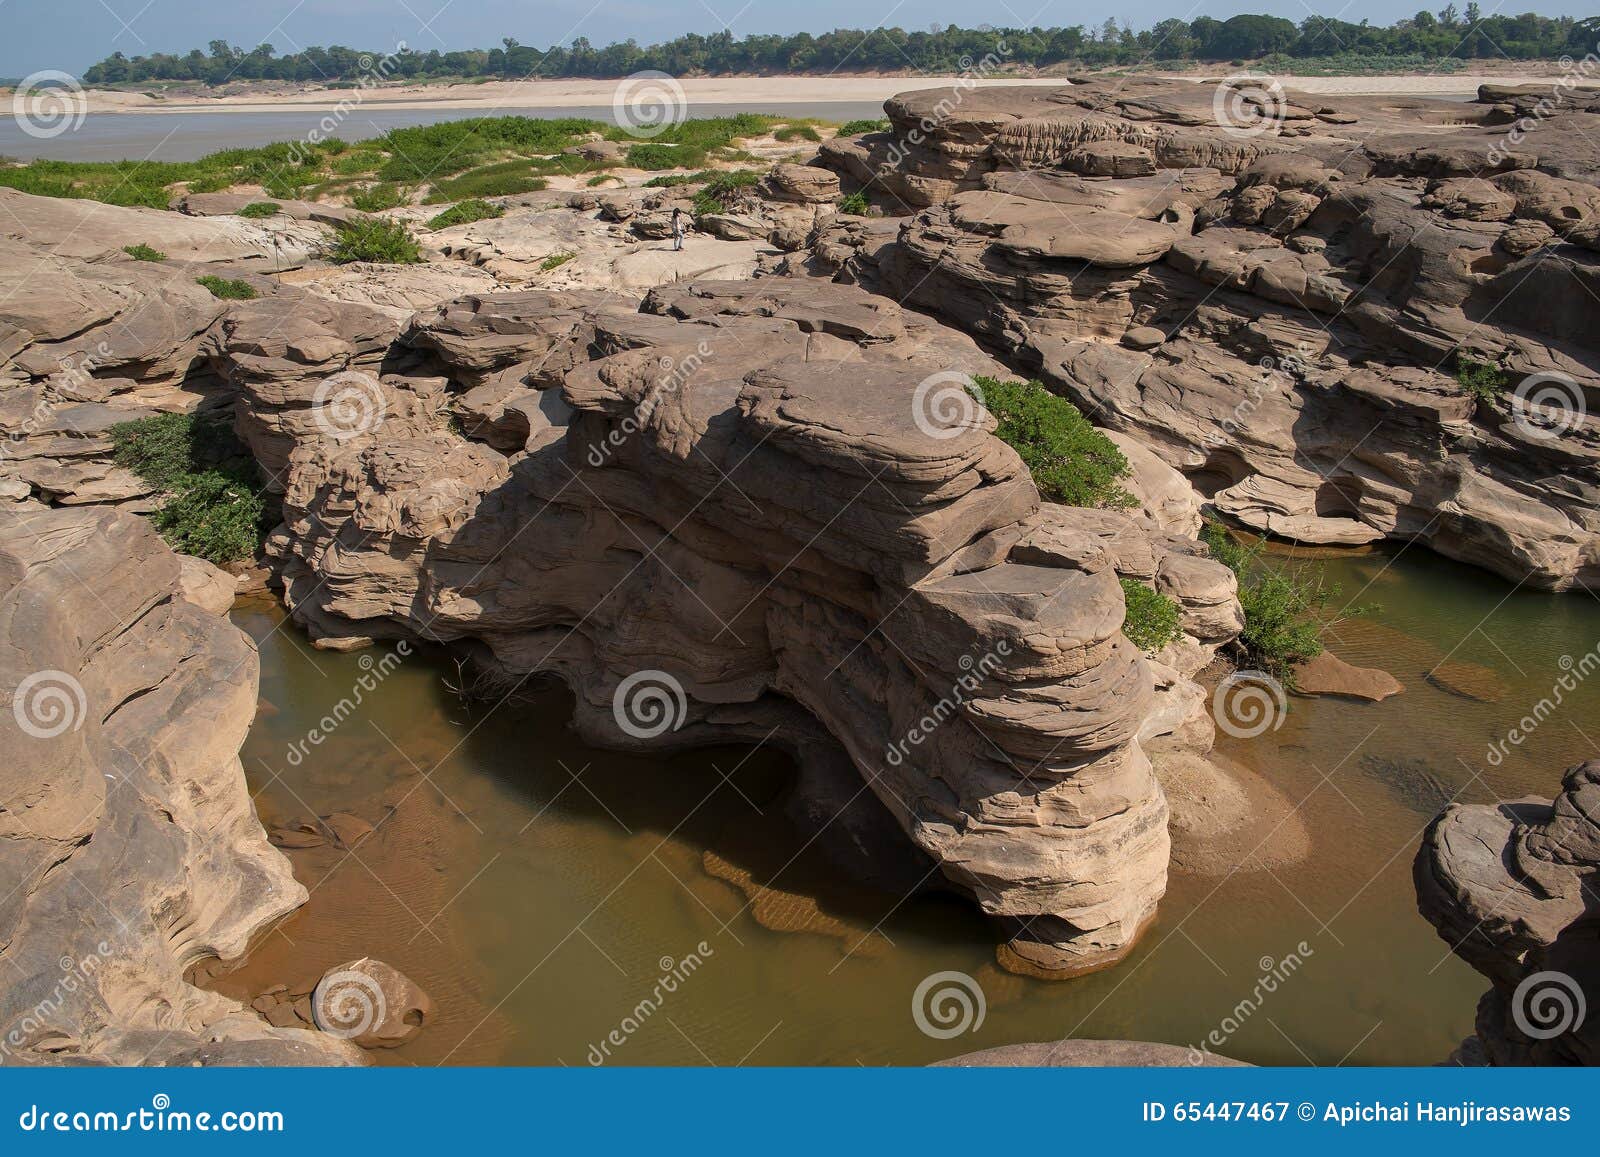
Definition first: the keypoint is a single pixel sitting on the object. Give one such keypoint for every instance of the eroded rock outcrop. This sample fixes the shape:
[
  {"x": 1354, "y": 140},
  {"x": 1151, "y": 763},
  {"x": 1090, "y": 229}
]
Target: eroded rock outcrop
[
  {"x": 1511, "y": 888},
  {"x": 130, "y": 846},
  {"x": 1279, "y": 309},
  {"x": 737, "y": 495}
]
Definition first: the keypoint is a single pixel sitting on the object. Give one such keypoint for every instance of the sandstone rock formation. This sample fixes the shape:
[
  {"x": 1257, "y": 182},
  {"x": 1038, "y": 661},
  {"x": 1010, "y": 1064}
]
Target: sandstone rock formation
[
  {"x": 131, "y": 848},
  {"x": 1278, "y": 308},
  {"x": 737, "y": 496},
  {"x": 1511, "y": 888}
]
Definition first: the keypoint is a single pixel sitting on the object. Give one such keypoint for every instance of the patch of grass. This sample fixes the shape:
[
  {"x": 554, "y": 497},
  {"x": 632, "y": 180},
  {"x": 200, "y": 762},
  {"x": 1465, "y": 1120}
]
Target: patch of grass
[
  {"x": 556, "y": 261},
  {"x": 597, "y": 180},
  {"x": 1484, "y": 381},
  {"x": 260, "y": 209},
  {"x": 378, "y": 197},
  {"x": 427, "y": 152},
  {"x": 465, "y": 213},
  {"x": 506, "y": 179},
  {"x": 226, "y": 288},
  {"x": 1071, "y": 462},
  {"x": 213, "y": 504},
  {"x": 653, "y": 156},
  {"x": 1152, "y": 618},
  {"x": 852, "y": 128},
  {"x": 143, "y": 252},
  {"x": 374, "y": 239},
  {"x": 796, "y": 133},
  {"x": 722, "y": 190},
  {"x": 855, "y": 204}
]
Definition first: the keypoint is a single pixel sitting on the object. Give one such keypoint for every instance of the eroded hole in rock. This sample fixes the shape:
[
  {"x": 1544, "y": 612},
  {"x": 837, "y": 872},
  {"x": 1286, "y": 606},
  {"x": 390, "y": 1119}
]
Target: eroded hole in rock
[
  {"x": 1222, "y": 469},
  {"x": 1338, "y": 499}
]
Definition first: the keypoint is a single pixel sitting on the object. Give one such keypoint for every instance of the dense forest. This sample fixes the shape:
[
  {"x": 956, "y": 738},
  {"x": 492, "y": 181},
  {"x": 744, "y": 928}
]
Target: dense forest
[{"x": 1450, "y": 33}]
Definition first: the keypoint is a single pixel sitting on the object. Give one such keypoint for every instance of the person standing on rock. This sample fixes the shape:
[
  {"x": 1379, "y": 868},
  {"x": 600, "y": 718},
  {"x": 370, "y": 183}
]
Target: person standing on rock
[{"x": 677, "y": 229}]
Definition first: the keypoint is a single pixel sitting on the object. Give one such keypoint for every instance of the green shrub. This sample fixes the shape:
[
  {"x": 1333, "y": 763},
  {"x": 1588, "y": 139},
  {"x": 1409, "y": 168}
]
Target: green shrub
[
  {"x": 723, "y": 189},
  {"x": 143, "y": 252},
  {"x": 507, "y": 179},
  {"x": 1152, "y": 619},
  {"x": 653, "y": 156},
  {"x": 556, "y": 261},
  {"x": 376, "y": 198},
  {"x": 375, "y": 239},
  {"x": 212, "y": 503},
  {"x": 227, "y": 289},
  {"x": 855, "y": 204},
  {"x": 797, "y": 133},
  {"x": 852, "y": 128},
  {"x": 1484, "y": 381},
  {"x": 1072, "y": 462},
  {"x": 260, "y": 209},
  {"x": 465, "y": 213}
]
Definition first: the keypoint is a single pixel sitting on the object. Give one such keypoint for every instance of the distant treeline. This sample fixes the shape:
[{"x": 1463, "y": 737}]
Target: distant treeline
[{"x": 1465, "y": 34}]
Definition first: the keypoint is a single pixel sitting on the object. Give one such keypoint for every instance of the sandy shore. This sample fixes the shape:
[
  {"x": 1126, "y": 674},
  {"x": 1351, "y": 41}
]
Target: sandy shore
[{"x": 510, "y": 95}]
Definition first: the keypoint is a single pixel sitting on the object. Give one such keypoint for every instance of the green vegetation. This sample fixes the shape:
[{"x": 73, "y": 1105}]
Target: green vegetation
[
  {"x": 213, "y": 504},
  {"x": 1285, "y": 611},
  {"x": 723, "y": 190},
  {"x": 375, "y": 239},
  {"x": 556, "y": 261},
  {"x": 465, "y": 213},
  {"x": 260, "y": 209},
  {"x": 1484, "y": 381},
  {"x": 1456, "y": 33},
  {"x": 143, "y": 252},
  {"x": 1072, "y": 462},
  {"x": 852, "y": 128},
  {"x": 226, "y": 288},
  {"x": 1152, "y": 618},
  {"x": 796, "y": 133},
  {"x": 377, "y": 197},
  {"x": 502, "y": 179},
  {"x": 855, "y": 204},
  {"x": 282, "y": 169}
]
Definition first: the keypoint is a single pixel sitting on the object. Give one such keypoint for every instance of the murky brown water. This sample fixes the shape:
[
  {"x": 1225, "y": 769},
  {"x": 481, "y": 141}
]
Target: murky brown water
[{"x": 537, "y": 887}]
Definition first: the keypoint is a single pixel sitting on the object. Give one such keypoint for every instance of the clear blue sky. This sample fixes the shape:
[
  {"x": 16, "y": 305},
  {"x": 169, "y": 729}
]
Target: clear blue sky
[{"x": 72, "y": 34}]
